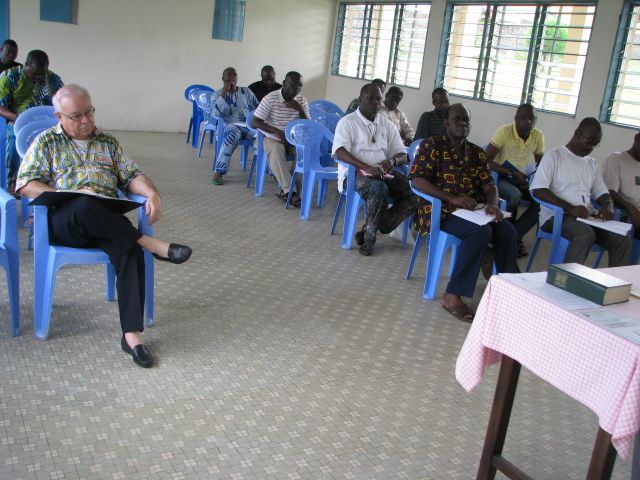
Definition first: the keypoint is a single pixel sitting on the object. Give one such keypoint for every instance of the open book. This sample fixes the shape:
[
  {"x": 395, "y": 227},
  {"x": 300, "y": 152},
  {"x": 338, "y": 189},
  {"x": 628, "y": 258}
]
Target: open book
[
  {"x": 621, "y": 228},
  {"x": 116, "y": 205},
  {"x": 478, "y": 216}
]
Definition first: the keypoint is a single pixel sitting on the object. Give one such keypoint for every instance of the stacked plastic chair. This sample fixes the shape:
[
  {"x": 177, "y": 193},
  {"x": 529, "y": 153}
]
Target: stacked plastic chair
[
  {"x": 9, "y": 256},
  {"x": 190, "y": 93},
  {"x": 204, "y": 101},
  {"x": 308, "y": 136},
  {"x": 3, "y": 153},
  {"x": 34, "y": 114},
  {"x": 325, "y": 106}
]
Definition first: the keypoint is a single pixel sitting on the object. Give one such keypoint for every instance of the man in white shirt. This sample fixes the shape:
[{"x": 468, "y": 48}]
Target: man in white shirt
[
  {"x": 621, "y": 172},
  {"x": 272, "y": 115},
  {"x": 390, "y": 110},
  {"x": 372, "y": 144},
  {"x": 569, "y": 178}
]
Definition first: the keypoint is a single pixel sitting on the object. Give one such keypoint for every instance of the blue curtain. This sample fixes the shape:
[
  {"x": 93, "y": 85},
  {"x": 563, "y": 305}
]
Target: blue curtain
[{"x": 228, "y": 20}]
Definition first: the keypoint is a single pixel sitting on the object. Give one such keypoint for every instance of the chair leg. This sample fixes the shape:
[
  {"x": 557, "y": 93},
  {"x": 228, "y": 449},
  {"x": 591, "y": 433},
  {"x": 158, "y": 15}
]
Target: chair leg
[
  {"x": 414, "y": 255},
  {"x": 406, "y": 224},
  {"x": 149, "y": 277},
  {"x": 452, "y": 260},
  {"x": 110, "y": 275},
  {"x": 350, "y": 220},
  {"x": 322, "y": 192},
  {"x": 532, "y": 254},
  {"x": 261, "y": 173},
  {"x": 336, "y": 215},
  {"x": 204, "y": 134},
  {"x": 434, "y": 264},
  {"x": 44, "y": 286},
  {"x": 598, "y": 258},
  {"x": 13, "y": 277},
  {"x": 189, "y": 129},
  {"x": 251, "y": 170},
  {"x": 308, "y": 181},
  {"x": 244, "y": 155}
]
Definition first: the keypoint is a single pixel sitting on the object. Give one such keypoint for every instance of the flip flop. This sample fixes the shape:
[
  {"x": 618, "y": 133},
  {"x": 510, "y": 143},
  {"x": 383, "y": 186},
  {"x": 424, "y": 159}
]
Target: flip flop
[
  {"x": 217, "y": 181},
  {"x": 463, "y": 312}
]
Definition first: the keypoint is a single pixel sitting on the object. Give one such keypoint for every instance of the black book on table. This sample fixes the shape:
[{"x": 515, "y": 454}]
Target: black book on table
[{"x": 54, "y": 199}]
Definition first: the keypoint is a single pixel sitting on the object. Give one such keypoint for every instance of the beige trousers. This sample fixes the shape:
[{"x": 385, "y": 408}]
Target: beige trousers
[{"x": 277, "y": 157}]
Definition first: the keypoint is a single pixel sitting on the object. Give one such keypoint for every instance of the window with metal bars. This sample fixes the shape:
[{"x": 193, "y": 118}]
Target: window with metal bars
[
  {"x": 622, "y": 100},
  {"x": 381, "y": 40},
  {"x": 515, "y": 53}
]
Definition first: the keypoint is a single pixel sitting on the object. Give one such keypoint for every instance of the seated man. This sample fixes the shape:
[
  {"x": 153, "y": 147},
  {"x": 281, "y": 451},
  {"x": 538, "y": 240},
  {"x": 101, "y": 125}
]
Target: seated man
[
  {"x": 232, "y": 104},
  {"x": 75, "y": 155},
  {"x": 569, "y": 178},
  {"x": 621, "y": 172},
  {"x": 8, "y": 55},
  {"x": 353, "y": 106},
  {"x": 518, "y": 144},
  {"x": 22, "y": 88},
  {"x": 267, "y": 85},
  {"x": 431, "y": 123},
  {"x": 391, "y": 111},
  {"x": 272, "y": 115},
  {"x": 372, "y": 144},
  {"x": 455, "y": 171}
]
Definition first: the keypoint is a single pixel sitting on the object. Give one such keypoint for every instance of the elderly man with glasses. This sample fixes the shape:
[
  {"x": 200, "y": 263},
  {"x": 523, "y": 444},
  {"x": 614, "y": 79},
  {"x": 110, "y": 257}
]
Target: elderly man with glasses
[{"x": 75, "y": 155}]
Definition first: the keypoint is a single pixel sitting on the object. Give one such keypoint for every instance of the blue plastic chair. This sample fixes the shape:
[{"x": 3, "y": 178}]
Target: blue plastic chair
[
  {"x": 352, "y": 202},
  {"x": 9, "y": 256},
  {"x": 33, "y": 114},
  {"x": 259, "y": 160},
  {"x": 3, "y": 154},
  {"x": 47, "y": 259},
  {"x": 438, "y": 242},
  {"x": 307, "y": 136},
  {"x": 325, "y": 106},
  {"x": 196, "y": 117},
  {"x": 559, "y": 244},
  {"x": 411, "y": 150},
  {"x": 24, "y": 137},
  {"x": 204, "y": 101}
]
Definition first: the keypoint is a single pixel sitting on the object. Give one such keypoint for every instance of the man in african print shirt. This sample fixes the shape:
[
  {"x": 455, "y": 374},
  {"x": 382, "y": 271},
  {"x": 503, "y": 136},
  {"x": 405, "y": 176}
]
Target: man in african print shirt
[{"x": 455, "y": 170}]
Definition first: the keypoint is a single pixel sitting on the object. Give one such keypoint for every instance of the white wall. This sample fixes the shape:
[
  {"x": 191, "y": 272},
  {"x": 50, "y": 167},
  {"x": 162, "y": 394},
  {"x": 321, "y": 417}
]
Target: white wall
[
  {"x": 138, "y": 56},
  {"x": 485, "y": 117}
]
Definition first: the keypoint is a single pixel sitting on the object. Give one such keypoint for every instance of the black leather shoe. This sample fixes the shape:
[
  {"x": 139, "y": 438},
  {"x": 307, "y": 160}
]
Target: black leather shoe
[
  {"x": 141, "y": 356},
  {"x": 177, "y": 254},
  {"x": 359, "y": 236}
]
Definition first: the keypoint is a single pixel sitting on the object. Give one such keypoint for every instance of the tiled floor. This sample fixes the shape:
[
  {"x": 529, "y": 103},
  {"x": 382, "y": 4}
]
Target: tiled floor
[{"x": 281, "y": 356}]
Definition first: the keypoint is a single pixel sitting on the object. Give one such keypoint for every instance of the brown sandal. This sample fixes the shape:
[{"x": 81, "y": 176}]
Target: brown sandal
[{"x": 462, "y": 312}]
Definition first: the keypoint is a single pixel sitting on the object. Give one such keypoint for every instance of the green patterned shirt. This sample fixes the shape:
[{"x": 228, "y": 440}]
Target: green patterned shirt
[
  {"x": 60, "y": 162},
  {"x": 18, "y": 93}
]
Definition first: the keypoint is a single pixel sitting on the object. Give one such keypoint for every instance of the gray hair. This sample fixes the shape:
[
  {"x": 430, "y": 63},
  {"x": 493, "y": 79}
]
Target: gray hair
[{"x": 70, "y": 90}]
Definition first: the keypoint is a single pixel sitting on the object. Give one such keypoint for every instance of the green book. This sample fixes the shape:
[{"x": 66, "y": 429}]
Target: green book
[{"x": 588, "y": 283}]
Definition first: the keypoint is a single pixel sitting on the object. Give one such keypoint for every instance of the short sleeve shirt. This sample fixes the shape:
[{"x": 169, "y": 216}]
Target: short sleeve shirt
[
  {"x": 512, "y": 148},
  {"x": 370, "y": 142},
  {"x": 56, "y": 160},
  {"x": 437, "y": 162},
  {"x": 621, "y": 174},
  {"x": 274, "y": 111},
  {"x": 17, "y": 93}
]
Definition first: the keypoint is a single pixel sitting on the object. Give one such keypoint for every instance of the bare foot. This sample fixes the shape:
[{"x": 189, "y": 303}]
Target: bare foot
[{"x": 456, "y": 307}]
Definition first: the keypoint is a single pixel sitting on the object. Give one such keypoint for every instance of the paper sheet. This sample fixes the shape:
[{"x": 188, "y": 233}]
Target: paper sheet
[
  {"x": 621, "y": 228},
  {"x": 477, "y": 216},
  {"x": 613, "y": 322}
]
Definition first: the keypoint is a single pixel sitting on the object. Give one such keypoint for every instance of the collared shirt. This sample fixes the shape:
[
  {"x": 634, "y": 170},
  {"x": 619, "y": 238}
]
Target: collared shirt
[
  {"x": 274, "y": 111},
  {"x": 430, "y": 125},
  {"x": 261, "y": 89},
  {"x": 621, "y": 173},
  {"x": 58, "y": 161},
  {"x": 437, "y": 162},
  {"x": 17, "y": 93},
  {"x": 399, "y": 119},
  {"x": 370, "y": 142},
  {"x": 573, "y": 178},
  {"x": 511, "y": 147},
  {"x": 7, "y": 66},
  {"x": 234, "y": 107}
]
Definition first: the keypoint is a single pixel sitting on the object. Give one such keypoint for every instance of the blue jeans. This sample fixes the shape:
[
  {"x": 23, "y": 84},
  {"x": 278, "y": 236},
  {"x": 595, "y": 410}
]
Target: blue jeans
[{"x": 475, "y": 240}]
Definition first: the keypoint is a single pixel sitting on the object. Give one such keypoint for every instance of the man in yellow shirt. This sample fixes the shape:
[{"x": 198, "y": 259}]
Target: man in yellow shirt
[{"x": 512, "y": 151}]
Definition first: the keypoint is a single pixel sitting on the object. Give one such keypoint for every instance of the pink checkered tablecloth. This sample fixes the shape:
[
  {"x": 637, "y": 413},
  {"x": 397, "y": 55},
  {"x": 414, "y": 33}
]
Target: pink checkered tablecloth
[{"x": 598, "y": 368}]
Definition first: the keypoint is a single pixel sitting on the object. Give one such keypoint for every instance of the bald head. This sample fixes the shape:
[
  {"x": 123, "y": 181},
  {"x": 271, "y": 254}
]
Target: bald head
[{"x": 70, "y": 90}]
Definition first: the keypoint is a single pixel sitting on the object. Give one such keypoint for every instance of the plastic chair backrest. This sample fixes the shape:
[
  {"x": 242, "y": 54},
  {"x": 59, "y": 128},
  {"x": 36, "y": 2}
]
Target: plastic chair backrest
[
  {"x": 327, "y": 119},
  {"x": 190, "y": 91},
  {"x": 411, "y": 150},
  {"x": 306, "y": 136},
  {"x": 326, "y": 106},
  {"x": 33, "y": 114},
  {"x": 29, "y": 132}
]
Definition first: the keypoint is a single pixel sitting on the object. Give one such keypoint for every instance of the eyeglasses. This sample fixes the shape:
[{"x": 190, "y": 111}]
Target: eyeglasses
[{"x": 77, "y": 116}]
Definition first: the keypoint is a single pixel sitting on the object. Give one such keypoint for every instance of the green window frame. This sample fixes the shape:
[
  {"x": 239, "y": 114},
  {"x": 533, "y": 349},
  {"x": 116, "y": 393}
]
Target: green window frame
[
  {"x": 622, "y": 96},
  {"x": 517, "y": 52},
  {"x": 381, "y": 40}
]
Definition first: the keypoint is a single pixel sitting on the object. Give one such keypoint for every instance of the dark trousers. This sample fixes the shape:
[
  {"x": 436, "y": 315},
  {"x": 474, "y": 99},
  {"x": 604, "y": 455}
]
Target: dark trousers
[
  {"x": 86, "y": 223},
  {"x": 475, "y": 240},
  {"x": 376, "y": 194},
  {"x": 581, "y": 236}
]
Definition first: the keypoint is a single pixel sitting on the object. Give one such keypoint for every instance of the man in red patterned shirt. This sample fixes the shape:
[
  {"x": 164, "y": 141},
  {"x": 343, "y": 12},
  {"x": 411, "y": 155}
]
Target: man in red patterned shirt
[{"x": 454, "y": 170}]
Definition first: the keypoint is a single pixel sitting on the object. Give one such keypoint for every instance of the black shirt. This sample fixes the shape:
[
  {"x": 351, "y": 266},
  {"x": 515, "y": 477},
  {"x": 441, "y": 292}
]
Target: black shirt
[
  {"x": 7, "y": 66},
  {"x": 260, "y": 89},
  {"x": 430, "y": 125}
]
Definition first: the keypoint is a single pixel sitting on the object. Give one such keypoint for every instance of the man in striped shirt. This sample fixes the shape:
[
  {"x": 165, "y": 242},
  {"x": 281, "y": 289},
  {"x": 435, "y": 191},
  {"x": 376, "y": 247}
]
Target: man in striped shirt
[
  {"x": 431, "y": 124},
  {"x": 273, "y": 114}
]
